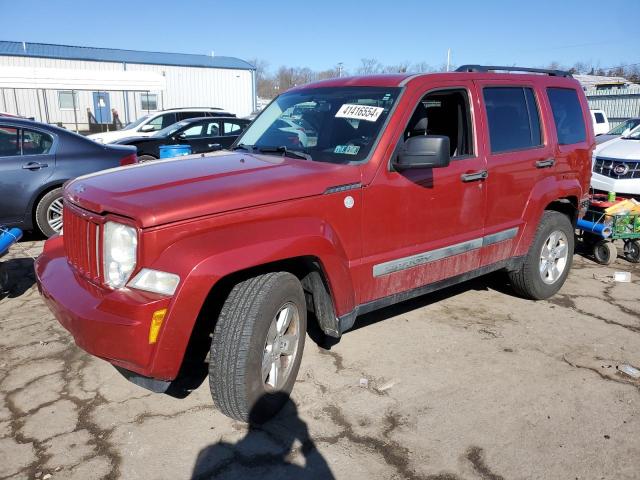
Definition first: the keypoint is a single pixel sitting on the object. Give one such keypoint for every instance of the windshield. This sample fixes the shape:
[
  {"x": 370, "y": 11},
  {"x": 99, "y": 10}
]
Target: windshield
[
  {"x": 634, "y": 134},
  {"x": 625, "y": 127},
  {"x": 332, "y": 124},
  {"x": 171, "y": 129},
  {"x": 135, "y": 123}
]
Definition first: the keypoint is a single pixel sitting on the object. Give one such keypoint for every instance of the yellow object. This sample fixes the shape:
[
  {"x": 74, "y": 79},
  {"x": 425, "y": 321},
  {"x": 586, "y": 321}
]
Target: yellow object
[
  {"x": 624, "y": 207},
  {"x": 156, "y": 323}
]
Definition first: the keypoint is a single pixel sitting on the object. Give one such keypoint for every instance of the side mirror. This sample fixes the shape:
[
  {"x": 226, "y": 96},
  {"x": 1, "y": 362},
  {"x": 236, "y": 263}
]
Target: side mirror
[
  {"x": 147, "y": 128},
  {"x": 424, "y": 151}
]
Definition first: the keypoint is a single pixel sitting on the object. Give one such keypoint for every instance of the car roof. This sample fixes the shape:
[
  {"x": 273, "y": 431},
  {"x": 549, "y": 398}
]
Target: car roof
[{"x": 25, "y": 122}]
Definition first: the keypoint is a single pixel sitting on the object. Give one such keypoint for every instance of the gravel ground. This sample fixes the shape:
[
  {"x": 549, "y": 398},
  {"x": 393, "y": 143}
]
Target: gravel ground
[{"x": 468, "y": 383}]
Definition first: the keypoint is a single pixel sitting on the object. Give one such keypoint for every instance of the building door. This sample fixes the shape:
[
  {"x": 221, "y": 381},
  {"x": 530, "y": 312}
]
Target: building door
[{"x": 102, "y": 107}]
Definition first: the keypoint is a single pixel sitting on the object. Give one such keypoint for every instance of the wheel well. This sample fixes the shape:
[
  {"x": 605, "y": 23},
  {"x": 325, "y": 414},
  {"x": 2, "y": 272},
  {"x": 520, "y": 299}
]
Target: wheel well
[
  {"x": 567, "y": 206},
  {"x": 319, "y": 304}
]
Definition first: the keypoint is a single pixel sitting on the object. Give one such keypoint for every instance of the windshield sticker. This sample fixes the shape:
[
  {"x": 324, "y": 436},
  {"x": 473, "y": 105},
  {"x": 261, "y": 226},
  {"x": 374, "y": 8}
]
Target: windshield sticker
[
  {"x": 359, "y": 112},
  {"x": 347, "y": 149}
]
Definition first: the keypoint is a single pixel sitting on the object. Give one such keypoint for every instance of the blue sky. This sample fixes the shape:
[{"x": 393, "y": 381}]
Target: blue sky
[{"x": 322, "y": 33}]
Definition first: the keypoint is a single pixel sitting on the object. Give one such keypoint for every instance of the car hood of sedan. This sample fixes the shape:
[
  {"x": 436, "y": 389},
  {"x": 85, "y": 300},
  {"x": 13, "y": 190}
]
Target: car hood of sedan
[
  {"x": 620, "y": 149},
  {"x": 166, "y": 191}
]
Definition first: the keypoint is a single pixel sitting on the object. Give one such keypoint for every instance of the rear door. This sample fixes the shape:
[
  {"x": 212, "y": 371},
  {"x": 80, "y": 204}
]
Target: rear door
[
  {"x": 518, "y": 155},
  {"x": 26, "y": 162}
]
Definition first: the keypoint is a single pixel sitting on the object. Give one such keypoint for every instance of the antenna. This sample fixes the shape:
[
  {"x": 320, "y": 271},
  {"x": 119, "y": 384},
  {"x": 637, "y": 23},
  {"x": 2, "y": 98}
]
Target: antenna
[{"x": 24, "y": 47}]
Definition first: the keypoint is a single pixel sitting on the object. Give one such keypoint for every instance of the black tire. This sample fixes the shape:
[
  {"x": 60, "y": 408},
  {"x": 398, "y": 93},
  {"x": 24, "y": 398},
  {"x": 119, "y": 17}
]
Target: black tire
[
  {"x": 239, "y": 341},
  {"x": 42, "y": 209},
  {"x": 605, "y": 252},
  {"x": 632, "y": 251},
  {"x": 528, "y": 281},
  {"x": 4, "y": 279},
  {"x": 146, "y": 158}
]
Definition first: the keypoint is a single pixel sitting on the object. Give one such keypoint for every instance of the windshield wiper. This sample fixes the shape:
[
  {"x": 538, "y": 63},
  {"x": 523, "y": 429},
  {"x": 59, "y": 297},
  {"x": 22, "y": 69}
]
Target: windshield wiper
[
  {"x": 242, "y": 146},
  {"x": 285, "y": 151}
]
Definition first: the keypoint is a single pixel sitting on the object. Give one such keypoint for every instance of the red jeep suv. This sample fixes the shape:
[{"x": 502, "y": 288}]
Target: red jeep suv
[{"x": 342, "y": 197}]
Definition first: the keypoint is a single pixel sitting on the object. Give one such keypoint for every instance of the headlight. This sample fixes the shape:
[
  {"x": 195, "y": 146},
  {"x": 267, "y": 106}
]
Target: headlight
[
  {"x": 155, "y": 281},
  {"x": 119, "y": 259}
]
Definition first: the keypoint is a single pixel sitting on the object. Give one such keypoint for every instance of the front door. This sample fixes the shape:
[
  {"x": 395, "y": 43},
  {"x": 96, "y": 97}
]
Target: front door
[
  {"x": 102, "y": 107},
  {"x": 427, "y": 225}
]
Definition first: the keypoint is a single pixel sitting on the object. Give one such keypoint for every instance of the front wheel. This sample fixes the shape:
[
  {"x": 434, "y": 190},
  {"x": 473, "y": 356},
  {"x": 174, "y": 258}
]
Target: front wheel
[
  {"x": 632, "y": 251},
  {"x": 257, "y": 346},
  {"x": 546, "y": 266}
]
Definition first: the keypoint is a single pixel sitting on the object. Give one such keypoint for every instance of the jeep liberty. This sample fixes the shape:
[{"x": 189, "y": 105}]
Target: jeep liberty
[{"x": 342, "y": 197}]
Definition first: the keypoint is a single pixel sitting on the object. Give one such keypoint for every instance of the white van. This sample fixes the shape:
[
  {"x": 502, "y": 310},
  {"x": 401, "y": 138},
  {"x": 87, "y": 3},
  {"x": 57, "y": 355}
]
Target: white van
[{"x": 600, "y": 122}]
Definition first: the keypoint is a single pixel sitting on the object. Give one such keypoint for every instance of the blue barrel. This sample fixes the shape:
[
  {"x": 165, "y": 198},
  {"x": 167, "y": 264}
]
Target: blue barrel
[
  {"x": 170, "y": 151},
  {"x": 8, "y": 236}
]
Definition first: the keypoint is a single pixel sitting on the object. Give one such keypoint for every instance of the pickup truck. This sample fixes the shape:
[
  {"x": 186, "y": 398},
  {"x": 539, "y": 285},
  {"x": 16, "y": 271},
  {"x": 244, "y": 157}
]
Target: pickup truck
[{"x": 408, "y": 184}]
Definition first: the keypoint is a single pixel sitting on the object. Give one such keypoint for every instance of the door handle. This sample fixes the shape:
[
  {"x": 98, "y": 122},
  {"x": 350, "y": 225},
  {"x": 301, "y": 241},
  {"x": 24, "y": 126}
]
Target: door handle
[
  {"x": 34, "y": 166},
  {"x": 549, "y": 162},
  {"x": 211, "y": 145},
  {"x": 474, "y": 176}
]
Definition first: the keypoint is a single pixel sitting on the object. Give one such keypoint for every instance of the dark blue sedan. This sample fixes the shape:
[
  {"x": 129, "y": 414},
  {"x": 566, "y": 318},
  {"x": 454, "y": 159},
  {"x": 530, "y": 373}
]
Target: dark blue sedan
[{"x": 35, "y": 161}]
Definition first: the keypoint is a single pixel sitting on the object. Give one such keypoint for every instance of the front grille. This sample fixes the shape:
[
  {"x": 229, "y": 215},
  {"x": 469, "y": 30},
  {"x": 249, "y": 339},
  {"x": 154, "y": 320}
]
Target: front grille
[
  {"x": 80, "y": 237},
  {"x": 618, "y": 169}
]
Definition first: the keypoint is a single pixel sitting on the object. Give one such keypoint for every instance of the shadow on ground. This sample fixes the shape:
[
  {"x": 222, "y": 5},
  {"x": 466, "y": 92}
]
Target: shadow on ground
[
  {"x": 267, "y": 449},
  {"x": 21, "y": 276}
]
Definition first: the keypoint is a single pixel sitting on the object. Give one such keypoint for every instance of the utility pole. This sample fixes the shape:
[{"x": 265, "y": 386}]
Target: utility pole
[
  {"x": 448, "y": 59},
  {"x": 340, "y": 69}
]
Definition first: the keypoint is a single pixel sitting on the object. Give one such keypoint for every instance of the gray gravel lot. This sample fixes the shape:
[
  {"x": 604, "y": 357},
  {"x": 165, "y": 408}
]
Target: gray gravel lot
[{"x": 469, "y": 383}]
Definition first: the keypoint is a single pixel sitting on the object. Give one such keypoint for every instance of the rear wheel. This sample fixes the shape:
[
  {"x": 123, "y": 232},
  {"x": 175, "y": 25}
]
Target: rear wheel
[
  {"x": 49, "y": 213},
  {"x": 257, "y": 346},
  {"x": 605, "y": 252},
  {"x": 632, "y": 251},
  {"x": 547, "y": 264},
  {"x": 146, "y": 158}
]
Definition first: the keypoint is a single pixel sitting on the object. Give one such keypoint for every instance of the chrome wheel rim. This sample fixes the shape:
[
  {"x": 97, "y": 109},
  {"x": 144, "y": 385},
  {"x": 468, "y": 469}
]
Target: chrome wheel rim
[
  {"x": 54, "y": 215},
  {"x": 553, "y": 257},
  {"x": 281, "y": 347}
]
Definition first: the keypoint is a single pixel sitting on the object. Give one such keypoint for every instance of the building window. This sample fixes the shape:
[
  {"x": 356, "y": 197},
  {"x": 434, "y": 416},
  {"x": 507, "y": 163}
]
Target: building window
[
  {"x": 66, "y": 100},
  {"x": 149, "y": 101}
]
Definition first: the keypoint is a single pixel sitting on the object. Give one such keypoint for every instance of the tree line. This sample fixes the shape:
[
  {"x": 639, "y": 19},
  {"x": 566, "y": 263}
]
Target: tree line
[{"x": 272, "y": 83}]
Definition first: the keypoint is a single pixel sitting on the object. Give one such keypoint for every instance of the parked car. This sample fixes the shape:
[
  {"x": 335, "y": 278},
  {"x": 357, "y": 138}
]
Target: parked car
[
  {"x": 600, "y": 122},
  {"x": 148, "y": 124},
  {"x": 616, "y": 165},
  {"x": 36, "y": 159},
  {"x": 622, "y": 129},
  {"x": 415, "y": 183},
  {"x": 201, "y": 134}
]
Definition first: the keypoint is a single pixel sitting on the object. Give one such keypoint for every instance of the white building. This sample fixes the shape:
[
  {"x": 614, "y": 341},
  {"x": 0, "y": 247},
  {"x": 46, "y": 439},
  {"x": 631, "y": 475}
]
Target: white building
[{"x": 67, "y": 84}]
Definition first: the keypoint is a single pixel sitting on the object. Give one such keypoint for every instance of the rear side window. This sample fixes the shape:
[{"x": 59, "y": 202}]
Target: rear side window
[
  {"x": 514, "y": 122},
  {"x": 567, "y": 115},
  {"x": 599, "y": 117},
  {"x": 35, "y": 143}
]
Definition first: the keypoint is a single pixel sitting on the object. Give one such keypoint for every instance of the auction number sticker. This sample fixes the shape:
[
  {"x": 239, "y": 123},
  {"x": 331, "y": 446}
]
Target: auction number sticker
[{"x": 359, "y": 112}]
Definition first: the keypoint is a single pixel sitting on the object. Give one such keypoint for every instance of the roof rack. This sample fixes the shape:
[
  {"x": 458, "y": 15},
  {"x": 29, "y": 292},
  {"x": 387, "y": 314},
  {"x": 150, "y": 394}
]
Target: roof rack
[
  {"x": 191, "y": 108},
  {"x": 491, "y": 68}
]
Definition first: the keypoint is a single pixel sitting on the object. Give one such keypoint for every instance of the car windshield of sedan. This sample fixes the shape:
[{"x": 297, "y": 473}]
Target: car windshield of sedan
[
  {"x": 633, "y": 135},
  {"x": 330, "y": 124},
  {"x": 171, "y": 129}
]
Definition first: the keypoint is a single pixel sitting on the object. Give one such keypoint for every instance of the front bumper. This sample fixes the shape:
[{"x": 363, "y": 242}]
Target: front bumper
[
  {"x": 608, "y": 184},
  {"x": 110, "y": 324}
]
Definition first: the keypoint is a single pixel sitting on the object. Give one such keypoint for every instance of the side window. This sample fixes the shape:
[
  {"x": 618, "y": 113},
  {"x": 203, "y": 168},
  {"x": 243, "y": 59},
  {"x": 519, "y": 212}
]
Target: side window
[
  {"x": 444, "y": 113},
  {"x": 191, "y": 132},
  {"x": 213, "y": 129},
  {"x": 9, "y": 144},
  {"x": 514, "y": 122},
  {"x": 162, "y": 121},
  {"x": 599, "y": 117},
  {"x": 35, "y": 143},
  {"x": 232, "y": 128},
  {"x": 567, "y": 115}
]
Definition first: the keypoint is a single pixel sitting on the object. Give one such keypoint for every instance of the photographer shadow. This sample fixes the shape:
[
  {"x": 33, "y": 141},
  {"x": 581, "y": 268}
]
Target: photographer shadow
[{"x": 269, "y": 450}]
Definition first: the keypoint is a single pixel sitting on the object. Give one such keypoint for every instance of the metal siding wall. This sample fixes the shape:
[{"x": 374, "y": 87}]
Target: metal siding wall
[
  {"x": 186, "y": 87},
  {"x": 618, "y": 104}
]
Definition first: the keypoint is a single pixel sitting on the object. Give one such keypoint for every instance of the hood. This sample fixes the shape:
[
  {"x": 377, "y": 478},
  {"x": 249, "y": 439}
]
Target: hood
[
  {"x": 166, "y": 191},
  {"x": 108, "y": 137},
  {"x": 128, "y": 140},
  {"x": 620, "y": 148}
]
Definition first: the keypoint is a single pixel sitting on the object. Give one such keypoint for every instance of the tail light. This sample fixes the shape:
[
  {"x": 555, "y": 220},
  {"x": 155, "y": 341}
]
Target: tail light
[{"x": 129, "y": 160}]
